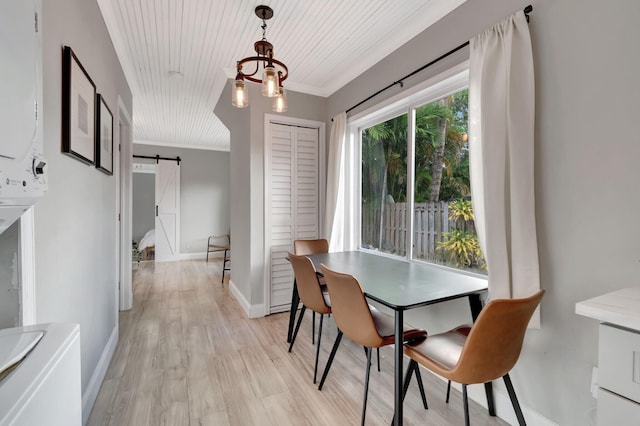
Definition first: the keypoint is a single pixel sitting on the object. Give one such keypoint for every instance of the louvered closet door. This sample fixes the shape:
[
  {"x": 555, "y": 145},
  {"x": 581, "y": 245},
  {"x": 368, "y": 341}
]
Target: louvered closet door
[{"x": 293, "y": 202}]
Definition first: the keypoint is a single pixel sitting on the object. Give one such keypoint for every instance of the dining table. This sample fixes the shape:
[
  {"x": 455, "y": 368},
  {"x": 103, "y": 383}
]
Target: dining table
[{"x": 401, "y": 285}]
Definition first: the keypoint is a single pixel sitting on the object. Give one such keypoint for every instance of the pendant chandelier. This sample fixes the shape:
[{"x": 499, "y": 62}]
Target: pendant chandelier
[{"x": 273, "y": 72}]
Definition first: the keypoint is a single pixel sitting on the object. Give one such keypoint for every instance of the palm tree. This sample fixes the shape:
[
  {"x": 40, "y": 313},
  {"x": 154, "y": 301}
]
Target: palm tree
[
  {"x": 384, "y": 167},
  {"x": 441, "y": 155}
]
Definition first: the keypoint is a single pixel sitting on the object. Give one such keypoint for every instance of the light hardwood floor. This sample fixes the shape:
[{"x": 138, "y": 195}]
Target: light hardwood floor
[{"x": 188, "y": 355}]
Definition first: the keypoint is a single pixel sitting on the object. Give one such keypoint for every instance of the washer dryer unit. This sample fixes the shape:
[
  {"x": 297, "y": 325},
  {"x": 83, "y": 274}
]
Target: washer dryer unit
[{"x": 23, "y": 171}]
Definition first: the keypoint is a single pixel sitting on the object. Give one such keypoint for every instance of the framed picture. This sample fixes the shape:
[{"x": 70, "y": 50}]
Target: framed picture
[
  {"x": 78, "y": 109},
  {"x": 104, "y": 137}
]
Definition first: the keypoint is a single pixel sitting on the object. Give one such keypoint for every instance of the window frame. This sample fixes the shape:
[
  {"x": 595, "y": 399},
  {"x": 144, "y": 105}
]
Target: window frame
[{"x": 437, "y": 87}]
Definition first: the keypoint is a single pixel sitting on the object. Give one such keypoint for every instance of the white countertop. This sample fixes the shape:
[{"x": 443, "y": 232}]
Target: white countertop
[{"x": 621, "y": 307}]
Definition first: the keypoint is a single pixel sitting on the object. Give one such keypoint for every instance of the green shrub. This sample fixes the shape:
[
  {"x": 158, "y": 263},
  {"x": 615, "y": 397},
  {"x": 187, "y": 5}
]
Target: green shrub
[
  {"x": 462, "y": 248},
  {"x": 461, "y": 245}
]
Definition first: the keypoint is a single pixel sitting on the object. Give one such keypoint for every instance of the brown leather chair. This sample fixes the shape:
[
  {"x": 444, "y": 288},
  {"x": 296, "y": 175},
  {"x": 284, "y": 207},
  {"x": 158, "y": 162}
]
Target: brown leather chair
[
  {"x": 480, "y": 353},
  {"x": 305, "y": 247},
  {"x": 312, "y": 296},
  {"x": 363, "y": 324}
]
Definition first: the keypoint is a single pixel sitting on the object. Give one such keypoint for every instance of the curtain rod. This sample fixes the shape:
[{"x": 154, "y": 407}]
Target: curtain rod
[
  {"x": 158, "y": 158},
  {"x": 526, "y": 11}
]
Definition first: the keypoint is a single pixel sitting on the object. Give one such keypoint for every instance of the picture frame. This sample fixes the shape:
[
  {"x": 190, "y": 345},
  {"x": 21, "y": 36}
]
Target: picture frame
[
  {"x": 78, "y": 109},
  {"x": 104, "y": 136}
]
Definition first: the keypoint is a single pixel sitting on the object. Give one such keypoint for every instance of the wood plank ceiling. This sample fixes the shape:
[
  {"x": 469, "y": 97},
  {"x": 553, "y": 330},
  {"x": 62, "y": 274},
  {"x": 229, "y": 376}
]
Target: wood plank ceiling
[{"x": 177, "y": 55}]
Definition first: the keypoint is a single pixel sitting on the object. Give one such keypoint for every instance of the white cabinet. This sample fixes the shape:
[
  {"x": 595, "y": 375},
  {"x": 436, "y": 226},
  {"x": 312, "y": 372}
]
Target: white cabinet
[
  {"x": 44, "y": 389},
  {"x": 618, "y": 355}
]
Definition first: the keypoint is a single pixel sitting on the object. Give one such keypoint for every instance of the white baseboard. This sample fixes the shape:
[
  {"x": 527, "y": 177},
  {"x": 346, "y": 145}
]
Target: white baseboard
[
  {"x": 252, "y": 311},
  {"x": 91, "y": 393},
  {"x": 503, "y": 406},
  {"x": 202, "y": 255},
  {"x": 191, "y": 256}
]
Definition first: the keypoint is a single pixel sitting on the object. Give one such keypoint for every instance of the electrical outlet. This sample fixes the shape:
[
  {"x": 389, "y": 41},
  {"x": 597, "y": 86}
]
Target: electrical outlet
[{"x": 594, "y": 382}]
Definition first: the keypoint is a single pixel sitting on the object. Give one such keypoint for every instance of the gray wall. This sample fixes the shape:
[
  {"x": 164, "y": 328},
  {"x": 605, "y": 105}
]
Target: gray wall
[
  {"x": 204, "y": 193},
  {"x": 247, "y": 179},
  {"x": 76, "y": 221},
  {"x": 586, "y": 157},
  {"x": 144, "y": 204}
]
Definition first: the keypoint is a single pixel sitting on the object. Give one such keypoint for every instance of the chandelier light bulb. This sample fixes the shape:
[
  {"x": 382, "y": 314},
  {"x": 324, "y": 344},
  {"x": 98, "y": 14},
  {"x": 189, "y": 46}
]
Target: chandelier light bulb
[
  {"x": 239, "y": 95},
  {"x": 280, "y": 102},
  {"x": 270, "y": 82}
]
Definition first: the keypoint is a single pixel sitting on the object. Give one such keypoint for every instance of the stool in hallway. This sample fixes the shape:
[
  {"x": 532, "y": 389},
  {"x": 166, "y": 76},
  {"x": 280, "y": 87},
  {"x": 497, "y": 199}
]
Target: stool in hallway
[{"x": 220, "y": 243}]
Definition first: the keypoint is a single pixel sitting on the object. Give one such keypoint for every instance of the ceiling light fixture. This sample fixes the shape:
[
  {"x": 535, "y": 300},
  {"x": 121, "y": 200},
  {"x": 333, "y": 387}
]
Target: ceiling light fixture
[{"x": 274, "y": 72}]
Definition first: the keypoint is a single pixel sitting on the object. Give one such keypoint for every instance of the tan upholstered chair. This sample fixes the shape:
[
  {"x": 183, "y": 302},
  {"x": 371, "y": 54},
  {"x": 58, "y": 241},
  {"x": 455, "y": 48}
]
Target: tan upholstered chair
[
  {"x": 480, "y": 353},
  {"x": 305, "y": 247},
  {"x": 363, "y": 324},
  {"x": 220, "y": 243},
  {"x": 312, "y": 296}
]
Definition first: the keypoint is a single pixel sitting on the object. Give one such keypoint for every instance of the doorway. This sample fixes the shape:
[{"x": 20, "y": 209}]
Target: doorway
[{"x": 143, "y": 212}]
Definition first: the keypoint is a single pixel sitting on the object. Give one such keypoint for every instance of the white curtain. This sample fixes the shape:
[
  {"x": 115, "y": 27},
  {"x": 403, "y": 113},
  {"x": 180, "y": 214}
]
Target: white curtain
[
  {"x": 339, "y": 226},
  {"x": 501, "y": 150}
]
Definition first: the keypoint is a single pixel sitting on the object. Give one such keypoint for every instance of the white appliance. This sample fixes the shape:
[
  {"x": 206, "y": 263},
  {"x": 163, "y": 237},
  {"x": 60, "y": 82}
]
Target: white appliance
[
  {"x": 44, "y": 388},
  {"x": 23, "y": 174}
]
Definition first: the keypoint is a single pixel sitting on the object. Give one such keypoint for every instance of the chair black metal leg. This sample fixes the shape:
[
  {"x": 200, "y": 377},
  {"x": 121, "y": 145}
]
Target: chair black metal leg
[
  {"x": 488, "y": 390},
  {"x": 465, "y": 403},
  {"x": 295, "y": 333},
  {"x": 295, "y": 300},
  {"x": 313, "y": 328},
  {"x": 366, "y": 384},
  {"x": 315, "y": 368},
  {"x": 448, "y": 391},
  {"x": 405, "y": 387},
  {"x": 377, "y": 351},
  {"x": 514, "y": 399},
  {"x": 407, "y": 378},
  {"x": 224, "y": 265},
  {"x": 330, "y": 360},
  {"x": 416, "y": 370}
]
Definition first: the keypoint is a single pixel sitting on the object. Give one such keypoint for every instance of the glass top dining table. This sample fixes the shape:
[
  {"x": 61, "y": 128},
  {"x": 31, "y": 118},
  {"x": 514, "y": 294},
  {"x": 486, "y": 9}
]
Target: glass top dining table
[{"x": 401, "y": 285}]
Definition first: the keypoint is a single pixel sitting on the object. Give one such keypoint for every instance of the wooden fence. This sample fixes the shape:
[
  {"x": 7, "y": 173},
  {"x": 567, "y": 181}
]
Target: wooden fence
[{"x": 431, "y": 221}]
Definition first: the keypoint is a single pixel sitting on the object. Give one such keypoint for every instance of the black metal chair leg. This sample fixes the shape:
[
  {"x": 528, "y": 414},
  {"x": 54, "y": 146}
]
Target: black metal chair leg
[
  {"x": 330, "y": 360},
  {"x": 224, "y": 265},
  {"x": 366, "y": 385},
  {"x": 313, "y": 328},
  {"x": 378, "y": 352},
  {"x": 465, "y": 403},
  {"x": 405, "y": 386},
  {"x": 488, "y": 390},
  {"x": 514, "y": 399},
  {"x": 407, "y": 378},
  {"x": 448, "y": 391},
  {"x": 295, "y": 333},
  {"x": 416, "y": 369},
  {"x": 295, "y": 300},
  {"x": 315, "y": 368}
]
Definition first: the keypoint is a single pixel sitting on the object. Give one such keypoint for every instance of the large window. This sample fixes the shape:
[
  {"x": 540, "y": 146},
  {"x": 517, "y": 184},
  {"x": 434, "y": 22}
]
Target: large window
[{"x": 416, "y": 197}]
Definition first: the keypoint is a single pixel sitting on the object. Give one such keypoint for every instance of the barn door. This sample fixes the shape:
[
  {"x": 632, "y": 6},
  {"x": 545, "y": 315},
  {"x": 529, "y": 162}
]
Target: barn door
[{"x": 167, "y": 210}]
